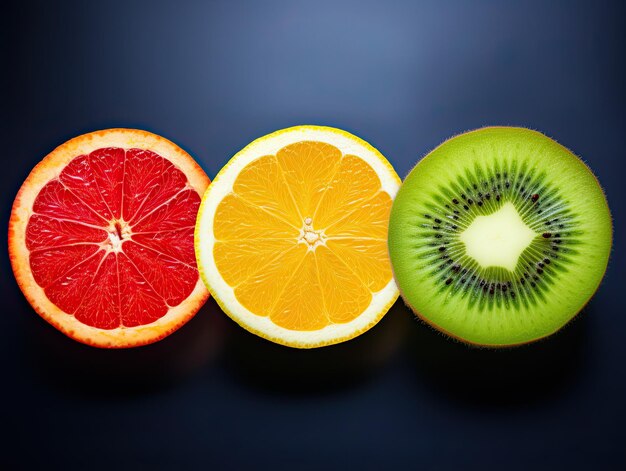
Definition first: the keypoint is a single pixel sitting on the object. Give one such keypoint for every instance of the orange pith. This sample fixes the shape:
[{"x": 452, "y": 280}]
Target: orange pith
[{"x": 302, "y": 237}]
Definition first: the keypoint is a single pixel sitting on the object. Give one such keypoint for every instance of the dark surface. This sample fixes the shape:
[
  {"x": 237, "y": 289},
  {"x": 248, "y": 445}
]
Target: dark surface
[{"x": 212, "y": 76}]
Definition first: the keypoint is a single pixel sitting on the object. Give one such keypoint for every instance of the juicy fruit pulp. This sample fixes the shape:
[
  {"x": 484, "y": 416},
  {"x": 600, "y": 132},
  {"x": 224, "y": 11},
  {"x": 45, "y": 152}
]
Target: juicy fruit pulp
[
  {"x": 285, "y": 259},
  {"x": 300, "y": 239},
  {"x": 109, "y": 240},
  {"x": 499, "y": 236}
]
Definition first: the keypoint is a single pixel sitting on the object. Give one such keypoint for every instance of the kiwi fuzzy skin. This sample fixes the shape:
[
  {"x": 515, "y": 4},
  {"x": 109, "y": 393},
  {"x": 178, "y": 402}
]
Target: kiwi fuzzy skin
[{"x": 506, "y": 346}]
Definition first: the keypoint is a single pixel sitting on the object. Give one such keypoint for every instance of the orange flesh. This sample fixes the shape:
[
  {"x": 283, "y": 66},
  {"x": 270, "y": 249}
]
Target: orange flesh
[{"x": 302, "y": 239}]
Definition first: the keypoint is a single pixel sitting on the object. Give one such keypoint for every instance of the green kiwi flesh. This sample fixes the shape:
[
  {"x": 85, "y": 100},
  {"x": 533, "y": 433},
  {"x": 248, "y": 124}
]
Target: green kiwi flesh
[{"x": 499, "y": 298}]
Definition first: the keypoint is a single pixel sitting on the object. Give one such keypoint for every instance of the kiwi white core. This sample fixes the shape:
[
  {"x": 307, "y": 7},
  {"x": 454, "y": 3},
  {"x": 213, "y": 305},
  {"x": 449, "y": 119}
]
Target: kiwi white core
[{"x": 498, "y": 240}]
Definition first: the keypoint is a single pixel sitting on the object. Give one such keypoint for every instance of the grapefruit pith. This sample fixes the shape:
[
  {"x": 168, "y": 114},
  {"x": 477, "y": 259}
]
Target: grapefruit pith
[{"x": 101, "y": 238}]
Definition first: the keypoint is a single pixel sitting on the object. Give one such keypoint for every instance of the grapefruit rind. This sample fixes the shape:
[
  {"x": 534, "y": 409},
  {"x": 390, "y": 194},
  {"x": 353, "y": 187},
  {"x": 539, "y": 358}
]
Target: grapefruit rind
[
  {"x": 204, "y": 239},
  {"x": 49, "y": 168}
]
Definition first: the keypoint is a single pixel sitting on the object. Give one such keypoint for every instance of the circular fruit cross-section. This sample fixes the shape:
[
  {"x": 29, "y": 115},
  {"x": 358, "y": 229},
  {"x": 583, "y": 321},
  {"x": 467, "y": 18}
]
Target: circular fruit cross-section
[
  {"x": 499, "y": 236},
  {"x": 291, "y": 237},
  {"x": 101, "y": 238}
]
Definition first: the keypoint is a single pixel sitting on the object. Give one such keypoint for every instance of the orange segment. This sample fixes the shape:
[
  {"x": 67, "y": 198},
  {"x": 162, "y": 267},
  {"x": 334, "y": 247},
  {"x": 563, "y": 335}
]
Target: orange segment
[
  {"x": 368, "y": 258},
  {"x": 308, "y": 167},
  {"x": 235, "y": 218},
  {"x": 300, "y": 305},
  {"x": 369, "y": 220},
  {"x": 260, "y": 291},
  {"x": 345, "y": 295},
  {"x": 354, "y": 182},
  {"x": 261, "y": 184},
  {"x": 237, "y": 260}
]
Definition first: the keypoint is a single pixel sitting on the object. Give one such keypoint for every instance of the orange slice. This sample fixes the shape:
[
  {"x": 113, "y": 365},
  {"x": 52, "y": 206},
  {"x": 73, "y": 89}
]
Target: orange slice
[
  {"x": 101, "y": 238},
  {"x": 291, "y": 236}
]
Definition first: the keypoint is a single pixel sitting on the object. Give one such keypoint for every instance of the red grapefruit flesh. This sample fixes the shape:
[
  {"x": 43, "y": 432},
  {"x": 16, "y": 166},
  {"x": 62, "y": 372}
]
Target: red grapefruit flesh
[{"x": 101, "y": 238}]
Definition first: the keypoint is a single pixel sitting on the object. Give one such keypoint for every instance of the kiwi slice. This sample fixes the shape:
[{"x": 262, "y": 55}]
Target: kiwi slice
[{"x": 499, "y": 236}]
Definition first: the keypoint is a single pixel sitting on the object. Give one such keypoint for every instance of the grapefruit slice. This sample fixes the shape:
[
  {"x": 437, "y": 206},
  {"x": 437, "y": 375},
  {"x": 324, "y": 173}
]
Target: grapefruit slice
[
  {"x": 291, "y": 237},
  {"x": 101, "y": 238}
]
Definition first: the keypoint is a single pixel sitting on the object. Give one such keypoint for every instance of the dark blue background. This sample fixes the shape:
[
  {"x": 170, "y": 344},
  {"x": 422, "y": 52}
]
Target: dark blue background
[{"x": 403, "y": 75}]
